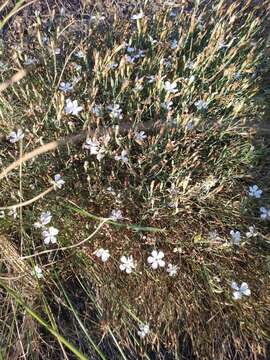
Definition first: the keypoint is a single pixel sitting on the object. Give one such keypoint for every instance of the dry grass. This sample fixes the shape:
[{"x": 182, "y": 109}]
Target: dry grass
[{"x": 189, "y": 177}]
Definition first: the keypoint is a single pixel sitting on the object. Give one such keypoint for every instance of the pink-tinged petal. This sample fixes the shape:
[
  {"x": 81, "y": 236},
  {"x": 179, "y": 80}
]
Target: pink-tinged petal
[
  {"x": 160, "y": 255},
  {"x": 53, "y": 240},
  {"x": 154, "y": 265},
  {"x": 123, "y": 259},
  {"x": 234, "y": 285},
  {"x": 154, "y": 253},
  {"x": 161, "y": 263},
  {"x": 129, "y": 270},
  {"x": 150, "y": 259},
  {"x": 47, "y": 241},
  {"x": 122, "y": 267}
]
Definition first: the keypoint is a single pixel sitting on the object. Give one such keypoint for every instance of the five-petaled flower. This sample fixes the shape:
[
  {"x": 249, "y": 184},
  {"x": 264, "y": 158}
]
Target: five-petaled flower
[
  {"x": 37, "y": 272},
  {"x": 170, "y": 87},
  {"x": 115, "y": 111},
  {"x": 155, "y": 260},
  {"x": 103, "y": 254},
  {"x": 265, "y": 213},
  {"x": 143, "y": 330},
  {"x": 140, "y": 136},
  {"x": 123, "y": 157},
  {"x": 138, "y": 16},
  {"x": 45, "y": 219},
  {"x": 15, "y": 136},
  {"x": 251, "y": 232},
  {"x": 58, "y": 181},
  {"x": 49, "y": 235},
  {"x": 72, "y": 107},
  {"x": 172, "y": 269},
  {"x": 65, "y": 86},
  {"x": 254, "y": 191},
  {"x": 236, "y": 237},
  {"x": 127, "y": 264},
  {"x": 241, "y": 290},
  {"x": 116, "y": 215}
]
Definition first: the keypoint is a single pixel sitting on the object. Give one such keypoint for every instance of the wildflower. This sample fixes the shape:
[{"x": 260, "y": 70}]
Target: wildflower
[
  {"x": 72, "y": 107},
  {"x": 130, "y": 49},
  {"x": 151, "y": 79},
  {"x": 2, "y": 214},
  {"x": 236, "y": 237},
  {"x": 98, "y": 110},
  {"x": 265, "y": 213},
  {"x": 37, "y": 272},
  {"x": 170, "y": 87},
  {"x": 130, "y": 59},
  {"x": 15, "y": 136},
  {"x": 65, "y": 87},
  {"x": 102, "y": 254},
  {"x": 79, "y": 54},
  {"x": 140, "y": 136},
  {"x": 57, "y": 51},
  {"x": 127, "y": 264},
  {"x": 138, "y": 16},
  {"x": 116, "y": 215},
  {"x": 174, "y": 44},
  {"x": 201, "y": 104},
  {"x": 50, "y": 235},
  {"x": 254, "y": 191},
  {"x": 155, "y": 260},
  {"x": 113, "y": 65},
  {"x": 172, "y": 269},
  {"x": 144, "y": 330},
  {"x": 240, "y": 291},
  {"x": 178, "y": 250},
  {"x": 45, "y": 219},
  {"x": 115, "y": 111},
  {"x": 30, "y": 61},
  {"x": 92, "y": 145},
  {"x": 58, "y": 181},
  {"x": 123, "y": 157},
  {"x": 251, "y": 232},
  {"x": 13, "y": 212},
  {"x": 167, "y": 105}
]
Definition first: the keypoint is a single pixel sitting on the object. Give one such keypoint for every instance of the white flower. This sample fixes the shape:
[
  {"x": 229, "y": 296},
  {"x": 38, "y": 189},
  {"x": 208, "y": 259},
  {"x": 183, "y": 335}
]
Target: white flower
[
  {"x": 57, "y": 51},
  {"x": 265, "y": 213},
  {"x": 2, "y": 214},
  {"x": 174, "y": 44},
  {"x": 97, "y": 110},
  {"x": 13, "y": 212},
  {"x": 144, "y": 330},
  {"x": 130, "y": 59},
  {"x": 58, "y": 182},
  {"x": 236, "y": 237},
  {"x": 50, "y": 235},
  {"x": 116, "y": 215},
  {"x": 37, "y": 272},
  {"x": 115, "y": 111},
  {"x": 140, "y": 136},
  {"x": 123, "y": 157},
  {"x": 15, "y": 136},
  {"x": 45, "y": 219},
  {"x": 170, "y": 87},
  {"x": 113, "y": 65},
  {"x": 167, "y": 105},
  {"x": 155, "y": 260},
  {"x": 65, "y": 86},
  {"x": 240, "y": 291},
  {"x": 79, "y": 54},
  {"x": 92, "y": 145},
  {"x": 30, "y": 61},
  {"x": 251, "y": 232},
  {"x": 130, "y": 49},
  {"x": 172, "y": 269},
  {"x": 254, "y": 191},
  {"x": 201, "y": 104},
  {"x": 128, "y": 264},
  {"x": 151, "y": 79},
  {"x": 138, "y": 16},
  {"x": 102, "y": 254},
  {"x": 72, "y": 107}
]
